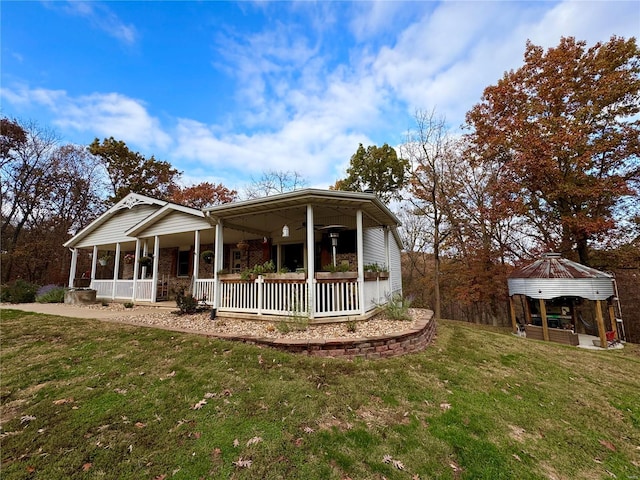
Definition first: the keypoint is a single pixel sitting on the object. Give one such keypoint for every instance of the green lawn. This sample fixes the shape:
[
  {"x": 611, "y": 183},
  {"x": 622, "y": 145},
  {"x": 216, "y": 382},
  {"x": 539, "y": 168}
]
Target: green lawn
[{"x": 89, "y": 399}]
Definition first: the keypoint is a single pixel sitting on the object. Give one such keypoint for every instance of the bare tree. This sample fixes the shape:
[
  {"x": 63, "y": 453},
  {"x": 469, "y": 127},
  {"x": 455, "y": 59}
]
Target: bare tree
[{"x": 273, "y": 182}]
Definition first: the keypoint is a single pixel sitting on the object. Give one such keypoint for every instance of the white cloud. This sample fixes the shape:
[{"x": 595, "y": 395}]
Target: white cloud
[
  {"x": 102, "y": 114},
  {"x": 103, "y": 18}
]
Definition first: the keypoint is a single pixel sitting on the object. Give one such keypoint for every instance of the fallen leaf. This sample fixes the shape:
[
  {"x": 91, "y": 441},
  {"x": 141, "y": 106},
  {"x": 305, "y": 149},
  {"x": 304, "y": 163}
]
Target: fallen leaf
[
  {"x": 160, "y": 477},
  {"x": 199, "y": 405},
  {"x": 236, "y": 443},
  {"x": 209, "y": 395},
  {"x": 216, "y": 452},
  {"x": 140, "y": 425},
  {"x": 608, "y": 445},
  {"x": 242, "y": 463},
  {"x": 254, "y": 440},
  {"x": 86, "y": 467},
  {"x": 398, "y": 464},
  {"x": 62, "y": 401},
  {"x": 172, "y": 374},
  {"x": 27, "y": 418},
  {"x": 30, "y": 469},
  {"x": 445, "y": 406},
  {"x": 298, "y": 442},
  {"x": 308, "y": 430},
  {"x": 387, "y": 459}
]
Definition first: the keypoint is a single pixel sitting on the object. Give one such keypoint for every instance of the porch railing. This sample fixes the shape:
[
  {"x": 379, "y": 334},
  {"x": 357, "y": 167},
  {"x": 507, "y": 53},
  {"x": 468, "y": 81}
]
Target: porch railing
[{"x": 123, "y": 289}]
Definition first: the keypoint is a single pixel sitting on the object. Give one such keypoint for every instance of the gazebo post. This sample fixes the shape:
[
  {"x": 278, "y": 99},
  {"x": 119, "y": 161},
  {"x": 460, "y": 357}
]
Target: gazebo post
[
  {"x": 512, "y": 309},
  {"x": 601, "y": 330},
  {"x": 612, "y": 318},
  {"x": 543, "y": 315}
]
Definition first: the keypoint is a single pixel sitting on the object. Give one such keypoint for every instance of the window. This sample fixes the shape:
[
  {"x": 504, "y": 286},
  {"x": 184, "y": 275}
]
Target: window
[{"x": 183, "y": 264}]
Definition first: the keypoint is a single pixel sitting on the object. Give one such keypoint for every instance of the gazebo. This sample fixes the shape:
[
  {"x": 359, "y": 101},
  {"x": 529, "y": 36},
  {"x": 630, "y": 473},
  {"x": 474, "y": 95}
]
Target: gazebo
[{"x": 552, "y": 286}]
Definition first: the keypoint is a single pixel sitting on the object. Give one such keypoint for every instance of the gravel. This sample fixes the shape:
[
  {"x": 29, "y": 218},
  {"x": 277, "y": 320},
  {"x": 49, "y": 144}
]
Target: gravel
[{"x": 202, "y": 323}]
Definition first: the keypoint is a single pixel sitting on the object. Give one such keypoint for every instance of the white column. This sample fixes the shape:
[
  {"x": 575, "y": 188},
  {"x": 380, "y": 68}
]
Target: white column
[
  {"x": 311, "y": 249},
  {"x": 136, "y": 266},
  {"x": 360, "y": 252},
  {"x": 94, "y": 262},
  {"x": 116, "y": 266},
  {"x": 145, "y": 253},
  {"x": 196, "y": 261},
  {"x": 74, "y": 266},
  {"x": 156, "y": 258},
  {"x": 387, "y": 255},
  {"x": 218, "y": 260}
]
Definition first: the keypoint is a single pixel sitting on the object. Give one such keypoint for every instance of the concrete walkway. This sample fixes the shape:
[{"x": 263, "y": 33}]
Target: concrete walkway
[{"x": 73, "y": 311}]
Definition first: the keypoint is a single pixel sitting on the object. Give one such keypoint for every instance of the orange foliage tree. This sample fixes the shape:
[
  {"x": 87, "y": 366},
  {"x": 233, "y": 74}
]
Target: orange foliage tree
[
  {"x": 564, "y": 134},
  {"x": 202, "y": 195}
]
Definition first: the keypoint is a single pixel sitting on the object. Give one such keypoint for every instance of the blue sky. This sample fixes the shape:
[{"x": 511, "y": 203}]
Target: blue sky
[{"x": 225, "y": 91}]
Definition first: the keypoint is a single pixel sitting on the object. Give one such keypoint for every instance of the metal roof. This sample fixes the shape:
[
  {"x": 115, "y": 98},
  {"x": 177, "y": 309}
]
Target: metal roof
[
  {"x": 553, "y": 276},
  {"x": 552, "y": 265}
]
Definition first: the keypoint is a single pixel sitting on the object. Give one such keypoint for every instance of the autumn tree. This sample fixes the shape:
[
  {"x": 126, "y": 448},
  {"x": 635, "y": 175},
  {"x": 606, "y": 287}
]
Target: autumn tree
[
  {"x": 272, "y": 182},
  {"x": 564, "y": 132},
  {"x": 377, "y": 169},
  {"x": 202, "y": 195},
  {"x": 128, "y": 171},
  {"x": 48, "y": 192},
  {"x": 428, "y": 149}
]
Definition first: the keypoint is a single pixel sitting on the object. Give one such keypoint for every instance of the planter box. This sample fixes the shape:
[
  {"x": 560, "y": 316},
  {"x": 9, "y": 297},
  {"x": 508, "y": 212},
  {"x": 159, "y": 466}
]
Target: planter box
[
  {"x": 376, "y": 275},
  {"x": 285, "y": 277},
  {"x": 336, "y": 276},
  {"x": 235, "y": 277}
]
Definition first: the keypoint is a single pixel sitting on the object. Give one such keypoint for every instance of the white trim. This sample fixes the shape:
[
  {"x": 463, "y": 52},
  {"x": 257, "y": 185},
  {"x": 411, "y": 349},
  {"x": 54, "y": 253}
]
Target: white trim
[
  {"x": 360, "y": 256},
  {"x": 311, "y": 252}
]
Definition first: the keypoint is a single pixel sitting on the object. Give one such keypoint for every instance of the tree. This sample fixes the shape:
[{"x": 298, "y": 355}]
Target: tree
[
  {"x": 48, "y": 192},
  {"x": 202, "y": 195},
  {"x": 273, "y": 182},
  {"x": 565, "y": 134},
  {"x": 378, "y": 169},
  {"x": 428, "y": 149},
  {"x": 129, "y": 171}
]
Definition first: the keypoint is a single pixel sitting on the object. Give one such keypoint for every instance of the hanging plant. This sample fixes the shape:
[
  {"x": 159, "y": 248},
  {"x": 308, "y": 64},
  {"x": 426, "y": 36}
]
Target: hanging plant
[
  {"x": 243, "y": 246},
  {"x": 129, "y": 258},
  {"x": 146, "y": 261},
  {"x": 104, "y": 259},
  {"x": 207, "y": 256}
]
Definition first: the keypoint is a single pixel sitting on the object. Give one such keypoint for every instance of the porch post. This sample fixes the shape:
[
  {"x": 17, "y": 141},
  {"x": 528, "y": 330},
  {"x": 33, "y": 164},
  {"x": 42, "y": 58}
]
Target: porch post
[
  {"x": 360, "y": 251},
  {"x": 145, "y": 252},
  {"x": 116, "y": 266},
  {"x": 94, "y": 262},
  {"x": 311, "y": 258},
  {"x": 156, "y": 257},
  {"x": 136, "y": 257},
  {"x": 600, "y": 321},
  {"x": 74, "y": 266},
  {"x": 512, "y": 310},
  {"x": 612, "y": 318},
  {"x": 196, "y": 261},
  {"x": 218, "y": 260},
  {"x": 543, "y": 315},
  {"x": 387, "y": 253}
]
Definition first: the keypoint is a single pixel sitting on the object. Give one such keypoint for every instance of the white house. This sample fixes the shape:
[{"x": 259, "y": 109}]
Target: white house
[{"x": 303, "y": 232}]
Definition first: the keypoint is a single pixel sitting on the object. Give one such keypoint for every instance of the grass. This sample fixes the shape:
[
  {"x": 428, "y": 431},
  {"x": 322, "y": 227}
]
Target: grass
[{"x": 89, "y": 399}]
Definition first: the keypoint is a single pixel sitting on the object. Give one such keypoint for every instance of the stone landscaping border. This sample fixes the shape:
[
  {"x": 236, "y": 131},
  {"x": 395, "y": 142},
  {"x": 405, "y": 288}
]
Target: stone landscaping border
[{"x": 412, "y": 340}]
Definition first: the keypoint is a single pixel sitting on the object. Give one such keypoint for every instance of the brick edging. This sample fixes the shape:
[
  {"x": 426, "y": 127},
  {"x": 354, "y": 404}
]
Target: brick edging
[{"x": 407, "y": 341}]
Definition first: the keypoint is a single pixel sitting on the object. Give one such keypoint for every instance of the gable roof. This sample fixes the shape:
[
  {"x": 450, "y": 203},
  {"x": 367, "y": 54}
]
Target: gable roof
[{"x": 161, "y": 213}]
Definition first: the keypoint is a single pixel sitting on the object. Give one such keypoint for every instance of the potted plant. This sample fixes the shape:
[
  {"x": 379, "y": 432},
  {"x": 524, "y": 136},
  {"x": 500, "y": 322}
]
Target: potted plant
[
  {"x": 146, "y": 261},
  {"x": 207, "y": 256},
  {"x": 373, "y": 271},
  {"x": 129, "y": 258},
  {"x": 104, "y": 259}
]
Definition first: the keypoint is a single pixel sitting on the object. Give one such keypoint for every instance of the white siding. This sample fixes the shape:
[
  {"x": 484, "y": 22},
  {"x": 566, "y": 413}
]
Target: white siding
[
  {"x": 112, "y": 231},
  {"x": 395, "y": 268},
  {"x": 374, "y": 247},
  {"x": 176, "y": 222}
]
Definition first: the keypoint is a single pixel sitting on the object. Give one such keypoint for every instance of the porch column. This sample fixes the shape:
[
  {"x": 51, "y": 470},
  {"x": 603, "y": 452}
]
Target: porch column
[
  {"x": 311, "y": 259},
  {"x": 196, "y": 261},
  {"x": 512, "y": 310},
  {"x": 387, "y": 253},
  {"x": 94, "y": 262},
  {"x": 360, "y": 251},
  {"x": 116, "y": 266},
  {"x": 74, "y": 266},
  {"x": 601, "y": 330},
  {"x": 136, "y": 257},
  {"x": 218, "y": 260},
  {"x": 145, "y": 253},
  {"x": 156, "y": 257},
  {"x": 543, "y": 315}
]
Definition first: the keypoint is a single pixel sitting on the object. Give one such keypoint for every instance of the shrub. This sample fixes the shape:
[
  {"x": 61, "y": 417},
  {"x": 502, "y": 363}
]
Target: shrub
[
  {"x": 398, "y": 308},
  {"x": 186, "y": 303},
  {"x": 19, "y": 291},
  {"x": 50, "y": 294},
  {"x": 128, "y": 304}
]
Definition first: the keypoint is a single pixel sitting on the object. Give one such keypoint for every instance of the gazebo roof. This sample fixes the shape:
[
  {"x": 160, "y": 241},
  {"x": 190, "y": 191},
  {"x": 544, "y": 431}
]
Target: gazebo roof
[{"x": 552, "y": 276}]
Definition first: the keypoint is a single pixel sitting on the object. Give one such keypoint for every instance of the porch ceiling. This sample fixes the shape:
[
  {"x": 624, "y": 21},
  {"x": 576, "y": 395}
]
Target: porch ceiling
[{"x": 266, "y": 216}]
